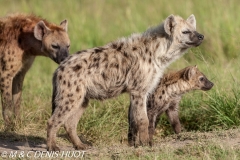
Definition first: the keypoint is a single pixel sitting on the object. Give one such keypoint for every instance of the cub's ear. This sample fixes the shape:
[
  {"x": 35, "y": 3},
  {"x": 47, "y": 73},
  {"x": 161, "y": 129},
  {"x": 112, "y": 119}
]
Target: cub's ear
[
  {"x": 169, "y": 24},
  {"x": 191, "y": 19},
  {"x": 189, "y": 72},
  {"x": 192, "y": 71},
  {"x": 64, "y": 25},
  {"x": 40, "y": 30}
]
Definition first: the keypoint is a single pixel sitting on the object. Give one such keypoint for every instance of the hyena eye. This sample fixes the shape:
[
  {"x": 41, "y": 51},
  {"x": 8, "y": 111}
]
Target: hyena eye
[
  {"x": 201, "y": 79},
  {"x": 68, "y": 46},
  {"x": 54, "y": 46},
  {"x": 186, "y": 32}
]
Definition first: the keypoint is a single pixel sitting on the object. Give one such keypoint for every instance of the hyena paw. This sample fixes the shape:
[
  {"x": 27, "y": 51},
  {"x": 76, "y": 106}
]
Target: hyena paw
[
  {"x": 53, "y": 148},
  {"x": 82, "y": 146}
]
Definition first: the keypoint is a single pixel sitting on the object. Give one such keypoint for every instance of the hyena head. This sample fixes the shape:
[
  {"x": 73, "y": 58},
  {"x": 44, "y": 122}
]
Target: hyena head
[
  {"x": 55, "y": 40},
  {"x": 197, "y": 79},
  {"x": 183, "y": 32}
]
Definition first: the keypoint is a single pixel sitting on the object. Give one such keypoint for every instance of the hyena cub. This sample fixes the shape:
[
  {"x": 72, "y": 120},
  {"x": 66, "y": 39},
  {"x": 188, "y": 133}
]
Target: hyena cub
[
  {"x": 168, "y": 94},
  {"x": 134, "y": 65}
]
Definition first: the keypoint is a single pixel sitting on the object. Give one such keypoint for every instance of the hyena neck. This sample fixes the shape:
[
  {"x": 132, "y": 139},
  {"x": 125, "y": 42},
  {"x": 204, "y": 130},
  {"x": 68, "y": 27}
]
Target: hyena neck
[
  {"x": 176, "y": 87},
  {"x": 162, "y": 46}
]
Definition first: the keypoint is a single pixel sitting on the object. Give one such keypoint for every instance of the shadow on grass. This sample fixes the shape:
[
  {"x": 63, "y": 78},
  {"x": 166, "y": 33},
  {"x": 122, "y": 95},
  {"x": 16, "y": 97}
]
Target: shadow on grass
[
  {"x": 11, "y": 141},
  {"x": 14, "y": 141}
]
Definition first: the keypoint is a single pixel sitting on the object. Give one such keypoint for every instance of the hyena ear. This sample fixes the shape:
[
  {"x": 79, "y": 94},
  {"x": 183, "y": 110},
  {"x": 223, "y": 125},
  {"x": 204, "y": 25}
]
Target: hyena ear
[
  {"x": 191, "y": 19},
  {"x": 40, "y": 30},
  {"x": 192, "y": 71},
  {"x": 189, "y": 72},
  {"x": 169, "y": 24},
  {"x": 64, "y": 25}
]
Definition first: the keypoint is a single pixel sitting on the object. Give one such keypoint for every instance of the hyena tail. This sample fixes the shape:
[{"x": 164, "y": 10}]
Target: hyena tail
[{"x": 54, "y": 92}]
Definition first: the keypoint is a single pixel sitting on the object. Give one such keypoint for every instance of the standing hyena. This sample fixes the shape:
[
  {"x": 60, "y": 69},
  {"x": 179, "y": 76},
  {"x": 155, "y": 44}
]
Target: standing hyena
[
  {"x": 132, "y": 65},
  {"x": 22, "y": 38},
  {"x": 168, "y": 94}
]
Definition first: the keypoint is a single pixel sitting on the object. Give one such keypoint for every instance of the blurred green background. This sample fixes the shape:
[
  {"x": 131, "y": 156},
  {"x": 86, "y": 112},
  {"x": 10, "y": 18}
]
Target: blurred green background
[{"x": 97, "y": 22}]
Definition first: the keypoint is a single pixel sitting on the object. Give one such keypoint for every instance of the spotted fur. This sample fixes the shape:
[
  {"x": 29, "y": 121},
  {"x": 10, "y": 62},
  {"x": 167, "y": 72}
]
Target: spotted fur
[
  {"x": 133, "y": 64},
  {"x": 22, "y": 38},
  {"x": 168, "y": 94}
]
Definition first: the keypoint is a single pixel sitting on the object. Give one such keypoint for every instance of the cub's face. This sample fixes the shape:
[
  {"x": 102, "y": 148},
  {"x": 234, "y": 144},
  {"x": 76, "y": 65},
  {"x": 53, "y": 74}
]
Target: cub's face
[
  {"x": 183, "y": 32},
  {"x": 198, "y": 80}
]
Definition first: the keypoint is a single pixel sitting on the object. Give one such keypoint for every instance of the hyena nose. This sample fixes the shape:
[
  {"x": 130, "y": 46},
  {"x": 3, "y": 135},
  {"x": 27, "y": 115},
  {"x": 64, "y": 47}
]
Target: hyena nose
[{"x": 200, "y": 37}]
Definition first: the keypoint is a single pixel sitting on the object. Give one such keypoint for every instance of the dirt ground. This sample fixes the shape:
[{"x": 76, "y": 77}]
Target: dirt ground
[{"x": 12, "y": 144}]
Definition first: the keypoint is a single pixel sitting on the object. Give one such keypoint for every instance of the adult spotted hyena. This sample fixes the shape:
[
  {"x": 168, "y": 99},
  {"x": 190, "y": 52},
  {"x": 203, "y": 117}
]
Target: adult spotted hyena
[
  {"x": 132, "y": 65},
  {"x": 168, "y": 94},
  {"x": 22, "y": 38}
]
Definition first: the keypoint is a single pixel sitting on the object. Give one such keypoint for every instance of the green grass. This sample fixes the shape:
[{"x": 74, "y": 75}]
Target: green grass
[{"x": 95, "y": 23}]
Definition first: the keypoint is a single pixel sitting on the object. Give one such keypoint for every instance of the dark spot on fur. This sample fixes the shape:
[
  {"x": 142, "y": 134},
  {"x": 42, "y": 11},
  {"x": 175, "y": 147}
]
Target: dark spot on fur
[
  {"x": 125, "y": 54},
  {"x": 114, "y": 46},
  {"x": 61, "y": 68},
  {"x": 81, "y": 51},
  {"x": 146, "y": 49},
  {"x": 76, "y": 68},
  {"x": 157, "y": 46},
  {"x": 85, "y": 61},
  {"x": 119, "y": 47},
  {"x": 104, "y": 76},
  {"x": 70, "y": 95},
  {"x": 77, "y": 89},
  {"x": 60, "y": 77},
  {"x": 160, "y": 97},
  {"x": 134, "y": 48},
  {"x": 163, "y": 92},
  {"x": 67, "y": 108},
  {"x": 150, "y": 60},
  {"x": 75, "y": 82},
  {"x": 69, "y": 84},
  {"x": 97, "y": 50},
  {"x": 64, "y": 82},
  {"x": 71, "y": 100},
  {"x": 66, "y": 103},
  {"x": 136, "y": 102}
]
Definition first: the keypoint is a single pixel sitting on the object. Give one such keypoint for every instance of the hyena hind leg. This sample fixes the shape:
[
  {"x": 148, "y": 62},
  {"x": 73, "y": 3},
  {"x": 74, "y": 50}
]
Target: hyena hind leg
[
  {"x": 59, "y": 117},
  {"x": 71, "y": 127}
]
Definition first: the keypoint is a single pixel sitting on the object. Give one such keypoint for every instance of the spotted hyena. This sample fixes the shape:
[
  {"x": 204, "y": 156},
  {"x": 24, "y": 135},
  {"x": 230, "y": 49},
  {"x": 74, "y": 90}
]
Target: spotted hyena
[
  {"x": 132, "y": 65},
  {"x": 22, "y": 38},
  {"x": 168, "y": 94}
]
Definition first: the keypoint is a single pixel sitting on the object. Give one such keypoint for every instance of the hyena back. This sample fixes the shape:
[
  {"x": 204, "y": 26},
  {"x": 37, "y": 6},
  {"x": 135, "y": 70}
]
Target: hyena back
[
  {"x": 168, "y": 94},
  {"x": 22, "y": 38},
  {"x": 132, "y": 65}
]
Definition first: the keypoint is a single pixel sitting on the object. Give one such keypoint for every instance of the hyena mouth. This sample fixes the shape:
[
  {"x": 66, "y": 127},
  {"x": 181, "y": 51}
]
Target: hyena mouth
[{"x": 194, "y": 43}]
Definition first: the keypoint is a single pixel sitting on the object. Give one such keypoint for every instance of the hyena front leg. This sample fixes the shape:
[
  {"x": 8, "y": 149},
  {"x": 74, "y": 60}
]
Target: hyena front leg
[
  {"x": 172, "y": 114},
  {"x": 138, "y": 120},
  {"x": 71, "y": 127},
  {"x": 6, "y": 99}
]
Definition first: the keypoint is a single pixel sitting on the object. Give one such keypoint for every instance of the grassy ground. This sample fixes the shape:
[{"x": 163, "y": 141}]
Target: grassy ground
[{"x": 94, "y": 23}]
